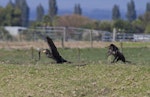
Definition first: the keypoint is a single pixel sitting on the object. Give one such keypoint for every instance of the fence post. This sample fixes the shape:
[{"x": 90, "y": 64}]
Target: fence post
[
  {"x": 32, "y": 53},
  {"x": 79, "y": 57},
  {"x": 39, "y": 53},
  {"x": 91, "y": 38},
  {"x": 20, "y": 35},
  {"x": 62, "y": 42},
  {"x": 121, "y": 45},
  {"x": 114, "y": 34},
  {"x": 64, "y": 37}
]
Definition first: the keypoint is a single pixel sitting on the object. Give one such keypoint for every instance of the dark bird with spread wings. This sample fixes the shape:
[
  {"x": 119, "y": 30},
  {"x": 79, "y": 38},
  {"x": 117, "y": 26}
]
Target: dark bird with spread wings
[{"x": 53, "y": 52}]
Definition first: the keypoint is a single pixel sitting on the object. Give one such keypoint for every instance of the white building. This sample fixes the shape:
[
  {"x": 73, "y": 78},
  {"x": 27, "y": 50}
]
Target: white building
[
  {"x": 14, "y": 30},
  {"x": 141, "y": 37}
]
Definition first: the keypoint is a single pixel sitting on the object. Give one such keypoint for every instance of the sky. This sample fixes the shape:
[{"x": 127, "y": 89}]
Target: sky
[{"x": 85, "y": 4}]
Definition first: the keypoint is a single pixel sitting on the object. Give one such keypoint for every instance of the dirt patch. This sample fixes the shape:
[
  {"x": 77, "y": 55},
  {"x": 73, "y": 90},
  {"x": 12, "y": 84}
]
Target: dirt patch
[{"x": 42, "y": 44}]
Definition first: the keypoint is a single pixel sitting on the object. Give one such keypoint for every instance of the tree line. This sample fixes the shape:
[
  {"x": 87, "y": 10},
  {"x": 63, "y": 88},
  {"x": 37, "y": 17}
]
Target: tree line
[
  {"x": 17, "y": 14},
  {"x": 133, "y": 23}
]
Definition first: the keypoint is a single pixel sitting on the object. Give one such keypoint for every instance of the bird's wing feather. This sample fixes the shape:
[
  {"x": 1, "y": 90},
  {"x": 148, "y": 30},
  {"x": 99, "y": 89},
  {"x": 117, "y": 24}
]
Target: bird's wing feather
[{"x": 52, "y": 47}]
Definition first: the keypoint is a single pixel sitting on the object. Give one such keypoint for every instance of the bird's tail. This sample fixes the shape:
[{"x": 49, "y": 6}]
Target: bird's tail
[{"x": 128, "y": 61}]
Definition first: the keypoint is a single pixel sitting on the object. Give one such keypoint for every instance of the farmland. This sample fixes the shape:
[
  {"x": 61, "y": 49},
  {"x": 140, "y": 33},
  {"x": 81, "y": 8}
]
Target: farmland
[{"x": 23, "y": 75}]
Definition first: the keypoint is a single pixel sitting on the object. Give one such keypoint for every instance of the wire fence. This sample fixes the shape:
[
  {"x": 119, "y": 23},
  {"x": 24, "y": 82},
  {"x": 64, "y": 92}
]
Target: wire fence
[
  {"x": 61, "y": 35},
  {"x": 31, "y": 40},
  {"x": 68, "y": 37}
]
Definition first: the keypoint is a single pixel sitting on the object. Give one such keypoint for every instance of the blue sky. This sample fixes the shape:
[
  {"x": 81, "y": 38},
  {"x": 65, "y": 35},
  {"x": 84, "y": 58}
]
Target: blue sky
[{"x": 85, "y": 4}]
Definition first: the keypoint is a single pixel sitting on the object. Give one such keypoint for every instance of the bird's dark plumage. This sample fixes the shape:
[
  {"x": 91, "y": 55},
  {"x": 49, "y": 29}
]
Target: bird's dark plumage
[
  {"x": 53, "y": 53},
  {"x": 113, "y": 50}
]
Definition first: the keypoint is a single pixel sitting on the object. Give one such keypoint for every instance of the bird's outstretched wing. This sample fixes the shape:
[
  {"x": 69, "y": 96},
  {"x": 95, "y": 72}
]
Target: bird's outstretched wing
[
  {"x": 54, "y": 51},
  {"x": 52, "y": 47}
]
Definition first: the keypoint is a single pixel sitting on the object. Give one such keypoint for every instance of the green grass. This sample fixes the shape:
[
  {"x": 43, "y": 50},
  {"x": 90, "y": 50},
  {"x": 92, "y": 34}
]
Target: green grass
[
  {"x": 134, "y": 44},
  {"x": 22, "y": 76},
  {"x": 138, "y": 56},
  {"x": 92, "y": 80}
]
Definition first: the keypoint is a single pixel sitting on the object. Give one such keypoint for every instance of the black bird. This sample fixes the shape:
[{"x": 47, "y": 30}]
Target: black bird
[
  {"x": 53, "y": 53},
  {"x": 113, "y": 50}
]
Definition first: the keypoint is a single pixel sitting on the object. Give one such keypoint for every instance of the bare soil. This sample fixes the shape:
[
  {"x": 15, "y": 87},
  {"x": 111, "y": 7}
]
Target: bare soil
[{"x": 42, "y": 44}]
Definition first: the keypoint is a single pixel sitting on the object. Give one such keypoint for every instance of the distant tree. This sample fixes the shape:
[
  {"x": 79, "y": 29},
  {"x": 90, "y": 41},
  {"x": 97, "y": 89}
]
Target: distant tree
[
  {"x": 10, "y": 3},
  {"x": 2, "y": 15},
  {"x": 124, "y": 26},
  {"x": 115, "y": 12},
  {"x": 96, "y": 25},
  {"x": 147, "y": 29},
  {"x": 131, "y": 12},
  {"x": 52, "y": 8},
  {"x": 22, "y": 5},
  {"x": 105, "y": 26},
  {"x": 138, "y": 26},
  {"x": 145, "y": 18},
  {"x": 148, "y": 7},
  {"x": 145, "y": 21},
  {"x": 40, "y": 12},
  {"x": 18, "y": 3},
  {"x": 119, "y": 24},
  {"x": 25, "y": 14},
  {"x": 10, "y": 16},
  {"x": 16, "y": 17},
  {"x": 77, "y": 9},
  {"x": 47, "y": 20}
]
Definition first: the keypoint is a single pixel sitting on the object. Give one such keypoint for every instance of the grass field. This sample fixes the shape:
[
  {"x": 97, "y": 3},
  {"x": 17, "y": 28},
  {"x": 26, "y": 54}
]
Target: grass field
[{"x": 24, "y": 76}]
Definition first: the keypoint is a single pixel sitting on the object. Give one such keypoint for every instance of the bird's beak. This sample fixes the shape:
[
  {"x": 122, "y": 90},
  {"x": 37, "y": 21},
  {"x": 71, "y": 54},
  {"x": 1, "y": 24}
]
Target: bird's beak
[{"x": 44, "y": 51}]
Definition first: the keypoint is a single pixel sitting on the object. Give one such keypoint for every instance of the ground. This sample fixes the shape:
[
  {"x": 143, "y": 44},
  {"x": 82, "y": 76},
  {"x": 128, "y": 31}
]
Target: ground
[{"x": 23, "y": 75}]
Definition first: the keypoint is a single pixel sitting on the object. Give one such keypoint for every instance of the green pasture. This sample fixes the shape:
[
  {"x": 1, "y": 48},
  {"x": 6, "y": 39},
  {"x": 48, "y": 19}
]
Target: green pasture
[
  {"x": 23, "y": 75},
  {"x": 138, "y": 56}
]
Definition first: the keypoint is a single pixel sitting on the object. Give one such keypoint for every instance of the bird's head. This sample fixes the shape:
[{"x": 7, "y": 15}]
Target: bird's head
[{"x": 45, "y": 50}]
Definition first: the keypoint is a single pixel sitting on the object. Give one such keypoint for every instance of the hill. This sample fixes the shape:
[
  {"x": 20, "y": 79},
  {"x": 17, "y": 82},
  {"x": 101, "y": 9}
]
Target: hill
[{"x": 98, "y": 14}]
